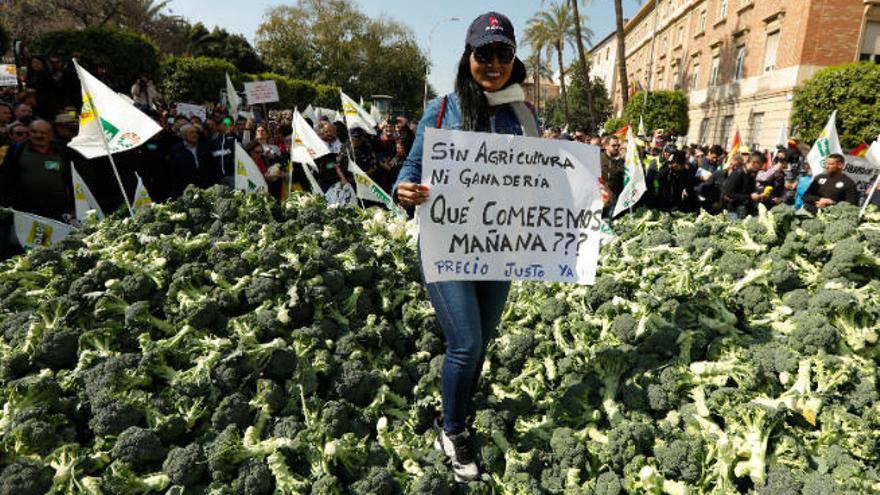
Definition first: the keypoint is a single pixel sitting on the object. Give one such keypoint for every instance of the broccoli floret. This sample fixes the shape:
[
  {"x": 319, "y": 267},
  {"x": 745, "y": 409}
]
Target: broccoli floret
[
  {"x": 137, "y": 287},
  {"x": 263, "y": 288},
  {"x": 816, "y": 483},
  {"x": 186, "y": 466},
  {"x": 626, "y": 326},
  {"x": 139, "y": 447},
  {"x": 608, "y": 483},
  {"x": 232, "y": 410},
  {"x": 434, "y": 482},
  {"x": 626, "y": 440},
  {"x": 798, "y": 299},
  {"x": 781, "y": 481},
  {"x": 753, "y": 300},
  {"x": 287, "y": 427},
  {"x": 36, "y": 436},
  {"x": 851, "y": 259},
  {"x": 282, "y": 364},
  {"x": 26, "y": 478},
  {"x": 733, "y": 264},
  {"x": 254, "y": 478},
  {"x": 111, "y": 416},
  {"x": 669, "y": 389},
  {"x": 514, "y": 349},
  {"x": 682, "y": 459},
  {"x": 378, "y": 481},
  {"x": 326, "y": 485},
  {"x": 357, "y": 382},
  {"x": 813, "y": 333},
  {"x": 754, "y": 424},
  {"x": 58, "y": 349},
  {"x": 783, "y": 275},
  {"x": 773, "y": 358},
  {"x": 553, "y": 308},
  {"x": 335, "y": 415}
]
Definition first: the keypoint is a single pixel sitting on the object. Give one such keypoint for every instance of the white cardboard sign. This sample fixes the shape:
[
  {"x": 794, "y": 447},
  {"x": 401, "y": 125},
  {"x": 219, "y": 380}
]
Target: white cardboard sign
[
  {"x": 862, "y": 172},
  {"x": 505, "y": 207},
  {"x": 189, "y": 111},
  {"x": 258, "y": 92},
  {"x": 8, "y": 75}
]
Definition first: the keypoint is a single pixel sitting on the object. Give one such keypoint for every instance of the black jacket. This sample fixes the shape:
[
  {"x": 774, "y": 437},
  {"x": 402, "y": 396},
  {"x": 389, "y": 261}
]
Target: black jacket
[
  {"x": 183, "y": 170},
  {"x": 838, "y": 189},
  {"x": 736, "y": 191}
]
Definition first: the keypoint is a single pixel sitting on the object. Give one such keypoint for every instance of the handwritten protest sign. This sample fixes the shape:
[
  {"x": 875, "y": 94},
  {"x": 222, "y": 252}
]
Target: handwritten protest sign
[
  {"x": 862, "y": 172},
  {"x": 189, "y": 111},
  {"x": 507, "y": 207},
  {"x": 258, "y": 92},
  {"x": 8, "y": 75}
]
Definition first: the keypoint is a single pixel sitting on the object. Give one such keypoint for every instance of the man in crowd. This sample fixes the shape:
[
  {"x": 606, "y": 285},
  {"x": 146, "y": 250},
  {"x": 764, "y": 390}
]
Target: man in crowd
[
  {"x": 738, "y": 194},
  {"x": 24, "y": 113},
  {"x": 327, "y": 132},
  {"x": 675, "y": 185},
  {"x": 190, "y": 162},
  {"x": 831, "y": 187},
  {"x": 612, "y": 166},
  {"x": 35, "y": 177}
]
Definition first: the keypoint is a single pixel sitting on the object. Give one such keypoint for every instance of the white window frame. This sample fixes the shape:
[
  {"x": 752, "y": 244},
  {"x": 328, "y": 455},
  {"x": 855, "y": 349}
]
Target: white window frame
[
  {"x": 701, "y": 24},
  {"x": 722, "y": 9},
  {"x": 757, "y": 128},
  {"x": 870, "y": 49},
  {"x": 771, "y": 53},
  {"x": 715, "y": 71},
  {"x": 695, "y": 75},
  {"x": 739, "y": 68}
]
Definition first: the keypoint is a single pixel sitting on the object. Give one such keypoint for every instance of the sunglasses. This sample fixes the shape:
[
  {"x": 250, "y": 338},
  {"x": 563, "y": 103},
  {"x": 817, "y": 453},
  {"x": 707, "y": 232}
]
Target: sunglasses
[{"x": 485, "y": 54}]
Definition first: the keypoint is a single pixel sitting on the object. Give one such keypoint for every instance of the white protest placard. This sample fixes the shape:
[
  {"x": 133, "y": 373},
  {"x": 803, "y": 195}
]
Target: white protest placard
[
  {"x": 862, "y": 172},
  {"x": 341, "y": 194},
  {"x": 8, "y": 75},
  {"x": 505, "y": 207},
  {"x": 258, "y": 92},
  {"x": 189, "y": 111}
]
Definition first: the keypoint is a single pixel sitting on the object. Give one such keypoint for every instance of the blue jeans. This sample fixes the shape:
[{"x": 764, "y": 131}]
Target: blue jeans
[{"x": 468, "y": 313}]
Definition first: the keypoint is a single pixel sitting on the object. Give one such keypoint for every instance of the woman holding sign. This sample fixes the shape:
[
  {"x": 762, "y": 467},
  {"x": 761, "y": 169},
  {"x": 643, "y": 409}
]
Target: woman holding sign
[{"x": 487, "y": 98}]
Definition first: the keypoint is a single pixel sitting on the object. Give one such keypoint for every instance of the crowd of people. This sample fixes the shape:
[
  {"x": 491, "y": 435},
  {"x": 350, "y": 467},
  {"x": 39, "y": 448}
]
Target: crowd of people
[{"x": 35, "y": 162}]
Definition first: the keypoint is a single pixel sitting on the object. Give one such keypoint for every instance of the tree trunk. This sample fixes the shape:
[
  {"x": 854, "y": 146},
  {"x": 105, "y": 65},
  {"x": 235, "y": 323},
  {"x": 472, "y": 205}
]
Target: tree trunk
[
  {"x": 621, "y": 53},
  {"x": 537, "y": 79},
  {"x": 585, "y": 66},
  {"x": 562, "y": 81}
]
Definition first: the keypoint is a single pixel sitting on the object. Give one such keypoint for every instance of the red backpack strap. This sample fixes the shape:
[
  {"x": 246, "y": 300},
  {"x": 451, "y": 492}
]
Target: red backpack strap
[{"x": 442, "y": 112}]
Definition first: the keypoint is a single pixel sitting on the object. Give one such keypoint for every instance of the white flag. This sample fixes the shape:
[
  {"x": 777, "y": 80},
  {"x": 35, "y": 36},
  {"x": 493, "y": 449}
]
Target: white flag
[
  {"x": 310, "y": 113},
  {"x": 33, "y": 230},
  {"x": 369, "y": 190},
  {"x": 375, "y": 113},
  {"x": 633, "y": 178},
  {"x": 642, "y": 130},
  {"x": 233, "y": 101},
  {"x": 108, "y": 121},
  {"x": 356, "y": 116},
  {"x": 247, "y": 175},
  {"x": 873, "y": 154},
  {"x": 83, "y": 198},
  {"x": 306, "y": 139},
  {"x": 142, "y": 197},
  {"x": 782, "y": 138},
  {"x": 826, "y": 144}
]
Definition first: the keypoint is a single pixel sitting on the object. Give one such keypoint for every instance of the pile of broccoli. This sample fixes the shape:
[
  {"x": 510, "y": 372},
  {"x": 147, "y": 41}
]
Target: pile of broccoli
[{"x": 223, "y": 343}]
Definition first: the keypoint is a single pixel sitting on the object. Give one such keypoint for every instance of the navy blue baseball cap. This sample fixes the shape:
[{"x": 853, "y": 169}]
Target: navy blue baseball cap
[{"x": 491, "y": 27}]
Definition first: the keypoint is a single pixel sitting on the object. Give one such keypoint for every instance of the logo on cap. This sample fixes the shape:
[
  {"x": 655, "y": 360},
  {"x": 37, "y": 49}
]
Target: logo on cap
[{"x": 494, "y": 24}]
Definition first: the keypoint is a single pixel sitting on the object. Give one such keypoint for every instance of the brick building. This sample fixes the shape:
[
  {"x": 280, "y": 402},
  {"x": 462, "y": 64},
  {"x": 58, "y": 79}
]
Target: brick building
[{"x": 740, "y": 60}]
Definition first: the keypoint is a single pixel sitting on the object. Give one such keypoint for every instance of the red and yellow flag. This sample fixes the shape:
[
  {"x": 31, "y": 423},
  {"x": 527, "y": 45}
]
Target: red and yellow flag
[
  {"x": 861, "y": 150},
  {"x": 622, "y": 132},
  {"x": 734, "y": 149}
]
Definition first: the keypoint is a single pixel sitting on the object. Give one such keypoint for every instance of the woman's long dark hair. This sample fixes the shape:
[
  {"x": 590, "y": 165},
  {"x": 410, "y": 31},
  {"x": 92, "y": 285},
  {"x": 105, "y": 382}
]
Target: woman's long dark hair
[{"x": 471, "y": 98}]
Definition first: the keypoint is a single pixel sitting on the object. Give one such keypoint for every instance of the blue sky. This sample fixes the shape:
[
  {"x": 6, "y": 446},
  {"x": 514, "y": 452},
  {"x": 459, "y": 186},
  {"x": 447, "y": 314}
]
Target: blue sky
[{"x": 242, "y": 17}]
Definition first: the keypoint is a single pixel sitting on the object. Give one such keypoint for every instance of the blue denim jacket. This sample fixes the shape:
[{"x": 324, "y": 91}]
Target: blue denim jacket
[{"x": 503, "y": 122}]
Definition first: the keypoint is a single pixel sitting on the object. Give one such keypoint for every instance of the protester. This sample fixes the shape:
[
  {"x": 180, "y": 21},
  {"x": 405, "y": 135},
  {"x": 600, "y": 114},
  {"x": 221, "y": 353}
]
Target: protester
[
  {"x": 831, "y": 187},
  {"x": 35, "y": 176},
  {"x": 18, "y": 132},
  {"x": 328, "y": 132},
  {"x": 190, "y": 162},
  {"x": 675, "y": 183},
  {"x": 144, "y": 93},
  {"x": 24, "y": 113},
  {"x": 612, "y": 166},
  {"x": 738, "y": 189},
  {"x": 487, "y": 84}
]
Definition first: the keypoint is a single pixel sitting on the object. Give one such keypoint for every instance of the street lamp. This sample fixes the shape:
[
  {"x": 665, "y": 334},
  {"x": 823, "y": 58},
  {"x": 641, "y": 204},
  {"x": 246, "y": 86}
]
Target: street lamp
[{"x": 428, "y": 65}]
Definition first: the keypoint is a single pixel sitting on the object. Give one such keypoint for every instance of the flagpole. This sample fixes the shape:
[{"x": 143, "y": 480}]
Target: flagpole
[
  {"x": 107, "y": 147},
  {"x": 870, "y": 195}
]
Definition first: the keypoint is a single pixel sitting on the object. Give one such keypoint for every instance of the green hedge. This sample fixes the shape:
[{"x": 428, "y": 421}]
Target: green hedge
[
  {"x": 615, "y": 123},
  {"x": 196, "y": 79},
  {"x": 200, "y": 79},
  {"x": 666, "y": 110},
  {"x": 124, "y": 55},
  {"x": 852, "y": 90}
]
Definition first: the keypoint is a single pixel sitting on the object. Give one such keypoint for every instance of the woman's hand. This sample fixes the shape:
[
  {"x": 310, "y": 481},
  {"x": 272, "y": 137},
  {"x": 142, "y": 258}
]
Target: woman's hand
[{"x": 411, "y": 194}]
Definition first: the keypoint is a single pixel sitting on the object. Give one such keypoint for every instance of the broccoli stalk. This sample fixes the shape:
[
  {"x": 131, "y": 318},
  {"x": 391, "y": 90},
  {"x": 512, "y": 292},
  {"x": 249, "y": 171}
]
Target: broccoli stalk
[{"x": 754, "y": 426}]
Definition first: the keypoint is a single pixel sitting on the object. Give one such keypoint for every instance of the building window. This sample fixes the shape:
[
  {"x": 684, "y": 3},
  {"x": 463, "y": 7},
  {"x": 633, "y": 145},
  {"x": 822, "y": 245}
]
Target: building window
[
  {"x": 680, "y": 36},
  {"x": 770, "y": 48},
  {"x": 739, "y": 68},
  {"x": 757, "y": 124},
  {"x": 695, "y": 76},
  {"x": 607, "y": 53},
  {"x": 726, "y": 130},
  {"x": 722, "y": 9},
  {"x": 713, "y": 75},
  {"x": 870, "y": 51},
  {"x": 663, "y": 46},
  {"x": 704, "y": 131},
  {"x": 701, "y": 25}
]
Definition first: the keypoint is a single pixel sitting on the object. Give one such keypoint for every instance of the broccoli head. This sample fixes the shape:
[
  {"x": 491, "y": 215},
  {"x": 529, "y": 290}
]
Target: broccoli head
[
  {"x": 254, "y": 478},
  {"x": 682, "y": 459},
  {"x": 377, "y": 481},
  {"x": 139, "y": 447},
  {"x": 813, "y": 333},
  {"x": 626, "y": 440},
  {"x": 26, "y": 478},
  {"x": 186, "y": 466}
]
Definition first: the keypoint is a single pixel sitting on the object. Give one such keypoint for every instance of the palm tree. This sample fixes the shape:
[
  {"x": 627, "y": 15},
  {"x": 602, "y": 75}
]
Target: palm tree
[
  {"x": 580, "y": 33},
  {"x": 538, "y": 68},
  {"x": 549, "y": 30},
  {"x": 621, "y": 53}
]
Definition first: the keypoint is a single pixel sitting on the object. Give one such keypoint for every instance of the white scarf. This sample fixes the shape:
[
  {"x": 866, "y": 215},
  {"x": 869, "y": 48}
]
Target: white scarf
[{"x": 510, "y": 94}]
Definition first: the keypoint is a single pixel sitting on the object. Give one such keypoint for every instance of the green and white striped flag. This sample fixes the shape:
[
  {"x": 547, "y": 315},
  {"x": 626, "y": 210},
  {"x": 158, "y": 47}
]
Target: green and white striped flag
[{"x": 825, "y": 145}]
